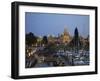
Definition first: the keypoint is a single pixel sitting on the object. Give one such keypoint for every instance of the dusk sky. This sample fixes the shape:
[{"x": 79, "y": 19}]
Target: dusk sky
[{"x": 53, "y": 24}]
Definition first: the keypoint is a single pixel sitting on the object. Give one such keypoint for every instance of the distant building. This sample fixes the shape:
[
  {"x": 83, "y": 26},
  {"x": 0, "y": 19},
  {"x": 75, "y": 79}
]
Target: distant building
[{"x": 51, "y": 39}]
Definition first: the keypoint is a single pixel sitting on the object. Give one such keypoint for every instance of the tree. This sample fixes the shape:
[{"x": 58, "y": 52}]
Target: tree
[
  {"x": 44, "y": 40},
  {"x": 76, "y": 39},
  {"x": 87, "y": 43},
  {"x": 31, "y": 38}
]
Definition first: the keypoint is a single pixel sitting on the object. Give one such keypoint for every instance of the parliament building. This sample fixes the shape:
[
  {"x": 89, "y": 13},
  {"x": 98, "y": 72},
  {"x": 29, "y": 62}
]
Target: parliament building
[{"x": 63, "y": 38}]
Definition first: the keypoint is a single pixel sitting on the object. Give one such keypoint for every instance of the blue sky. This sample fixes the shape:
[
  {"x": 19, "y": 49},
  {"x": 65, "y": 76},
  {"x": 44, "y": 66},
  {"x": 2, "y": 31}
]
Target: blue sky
[{"x": 46, "y": 23}]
